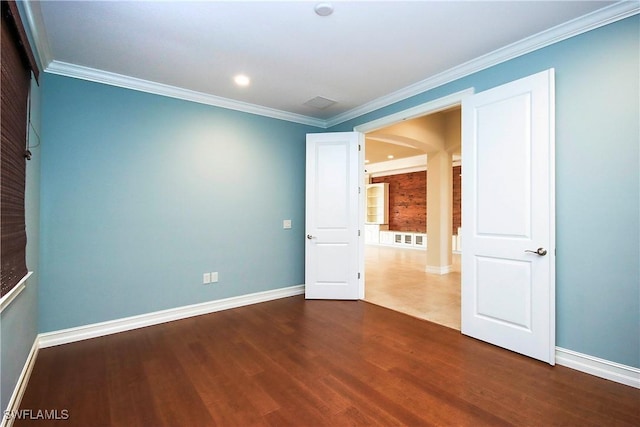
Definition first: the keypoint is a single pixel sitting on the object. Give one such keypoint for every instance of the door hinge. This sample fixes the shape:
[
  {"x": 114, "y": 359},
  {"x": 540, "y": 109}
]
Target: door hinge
[
  {"x": 359, "y": 147},
  {"x": 358, "y": 275},
  {"x": 358, "y": 233}
]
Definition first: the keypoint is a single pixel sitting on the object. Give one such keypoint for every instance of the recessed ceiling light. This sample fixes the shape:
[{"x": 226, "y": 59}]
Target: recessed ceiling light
[
  {"x": 324, "y": 9},
  {"x": 390, "y": 156},
  {"x": 242, "y": 80}
]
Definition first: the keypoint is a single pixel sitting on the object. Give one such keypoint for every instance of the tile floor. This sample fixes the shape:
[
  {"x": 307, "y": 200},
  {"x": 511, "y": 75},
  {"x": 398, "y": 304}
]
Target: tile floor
[{"x": 395, "y": 278}]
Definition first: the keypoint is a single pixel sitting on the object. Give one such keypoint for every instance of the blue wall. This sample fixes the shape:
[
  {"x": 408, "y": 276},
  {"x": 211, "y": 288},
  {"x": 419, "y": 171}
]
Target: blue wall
[
  {"x": 142, "y": 194},
  {"x": 597, "y": 182}
]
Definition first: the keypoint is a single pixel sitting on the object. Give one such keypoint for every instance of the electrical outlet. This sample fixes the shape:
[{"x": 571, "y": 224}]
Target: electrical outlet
[
  {"x": 206, "y": 278},
  {"x": 214, "y": 277},
  {"x": 286, "y": 224}
]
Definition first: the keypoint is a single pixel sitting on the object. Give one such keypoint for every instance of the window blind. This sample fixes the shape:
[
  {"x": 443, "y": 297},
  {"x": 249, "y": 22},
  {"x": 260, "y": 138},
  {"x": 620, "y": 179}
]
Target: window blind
[{"x": 17, "y": 63}]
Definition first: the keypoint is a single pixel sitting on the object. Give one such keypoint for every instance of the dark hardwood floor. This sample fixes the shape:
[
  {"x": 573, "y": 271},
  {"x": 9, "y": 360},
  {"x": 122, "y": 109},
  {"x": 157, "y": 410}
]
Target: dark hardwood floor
[{"x": 292, "y": 362}]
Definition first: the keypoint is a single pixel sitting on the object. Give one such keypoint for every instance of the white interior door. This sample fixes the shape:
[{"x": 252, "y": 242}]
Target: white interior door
[
  {"x": 508, "y": 283},
  {"x": 332, "y": 250}
]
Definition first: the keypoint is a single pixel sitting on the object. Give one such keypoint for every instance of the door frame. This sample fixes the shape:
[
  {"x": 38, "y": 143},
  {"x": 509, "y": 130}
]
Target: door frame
[{"x": 427, "y": 108}]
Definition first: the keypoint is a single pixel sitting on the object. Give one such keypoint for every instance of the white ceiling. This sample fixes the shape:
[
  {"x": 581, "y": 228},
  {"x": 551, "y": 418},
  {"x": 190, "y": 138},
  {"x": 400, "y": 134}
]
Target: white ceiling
[{"x": 365, "y": 51}]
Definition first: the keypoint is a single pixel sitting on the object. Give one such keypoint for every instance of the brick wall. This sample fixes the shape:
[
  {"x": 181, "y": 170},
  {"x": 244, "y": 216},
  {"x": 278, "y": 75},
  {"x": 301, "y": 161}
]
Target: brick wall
[
  {"x": 408, "y": 200},
  {"x": 457, "y": 199}
]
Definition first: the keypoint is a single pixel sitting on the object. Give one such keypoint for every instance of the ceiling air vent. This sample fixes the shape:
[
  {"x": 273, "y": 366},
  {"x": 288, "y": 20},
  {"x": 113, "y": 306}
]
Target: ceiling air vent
[{"x": 320, "y": 103}]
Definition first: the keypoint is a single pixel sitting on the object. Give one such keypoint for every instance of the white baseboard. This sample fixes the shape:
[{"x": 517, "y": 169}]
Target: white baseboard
[
  {"x": 94, "y": 330},
  {"x": 602, "y": 368},
  {"x": 21, "y": 385},
  {"x": 439, "y": 270}
]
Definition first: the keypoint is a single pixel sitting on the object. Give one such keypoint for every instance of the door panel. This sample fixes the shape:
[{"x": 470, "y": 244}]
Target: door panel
[
  {"x": 499, "y": 280},
  {"x": 332, "y": 216},
  {"x": 505, "y": 212},
  {"x": 508, "y": 290},
  {"x": 332, "y": 194}
]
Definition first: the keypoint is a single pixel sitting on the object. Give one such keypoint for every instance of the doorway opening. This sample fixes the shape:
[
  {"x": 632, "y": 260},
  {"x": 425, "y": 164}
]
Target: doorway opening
[
  {"x": 397, "y": 275},
  {"x": 508, "y": 296}
]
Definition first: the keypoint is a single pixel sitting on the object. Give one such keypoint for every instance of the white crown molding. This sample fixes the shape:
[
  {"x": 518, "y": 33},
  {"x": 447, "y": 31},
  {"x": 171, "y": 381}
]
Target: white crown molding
[
  {"x": 589, "y": 22},
  {"x": 38, "y": 33},
  {"x": 599, "y": 18},
  {"x": 65, "y": 336},
  {"x": 120, "y": 80}
]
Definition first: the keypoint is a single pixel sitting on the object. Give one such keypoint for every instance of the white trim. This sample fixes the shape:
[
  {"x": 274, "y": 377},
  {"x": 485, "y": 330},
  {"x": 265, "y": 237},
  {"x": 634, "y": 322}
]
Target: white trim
[
  {"x": 552, "y": 214},
  {"x": 65, "y": 336},
  {"x": 14, "y": 292},
  {"x": 446, "y": 269},
  {"x": 599, "y": 18},
  {"x": 120, "y": 80},
  {"x": 602, "y": 368},
  {"x": 21, "y": 385}
]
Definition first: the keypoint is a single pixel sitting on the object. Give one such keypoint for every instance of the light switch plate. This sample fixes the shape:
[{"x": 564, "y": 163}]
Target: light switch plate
[
  {"x": 214, "y": 277},
  {"x": 206, "y": 278}
]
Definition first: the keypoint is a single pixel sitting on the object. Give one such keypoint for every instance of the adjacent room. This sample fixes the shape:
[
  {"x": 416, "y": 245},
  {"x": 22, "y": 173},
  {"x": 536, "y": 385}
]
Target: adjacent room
[{"x": 397, "y": 273}]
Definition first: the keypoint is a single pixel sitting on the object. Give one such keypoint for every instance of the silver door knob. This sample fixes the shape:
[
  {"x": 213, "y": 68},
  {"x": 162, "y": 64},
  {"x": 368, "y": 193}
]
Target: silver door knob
[
  {"x": 309, "y": 236},
  {"x": 539, "y": 251}
]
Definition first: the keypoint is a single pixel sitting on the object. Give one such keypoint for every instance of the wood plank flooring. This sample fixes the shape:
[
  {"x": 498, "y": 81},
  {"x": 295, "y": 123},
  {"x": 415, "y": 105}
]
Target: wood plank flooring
[
  {"x": 395, "y": 278},
  {"x": 292, "y": 362}
]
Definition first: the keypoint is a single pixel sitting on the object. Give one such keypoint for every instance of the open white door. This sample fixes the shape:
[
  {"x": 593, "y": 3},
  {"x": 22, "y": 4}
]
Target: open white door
[
  {"x": 508, "y": 260},
  {"x": 332, "y": 250}
]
